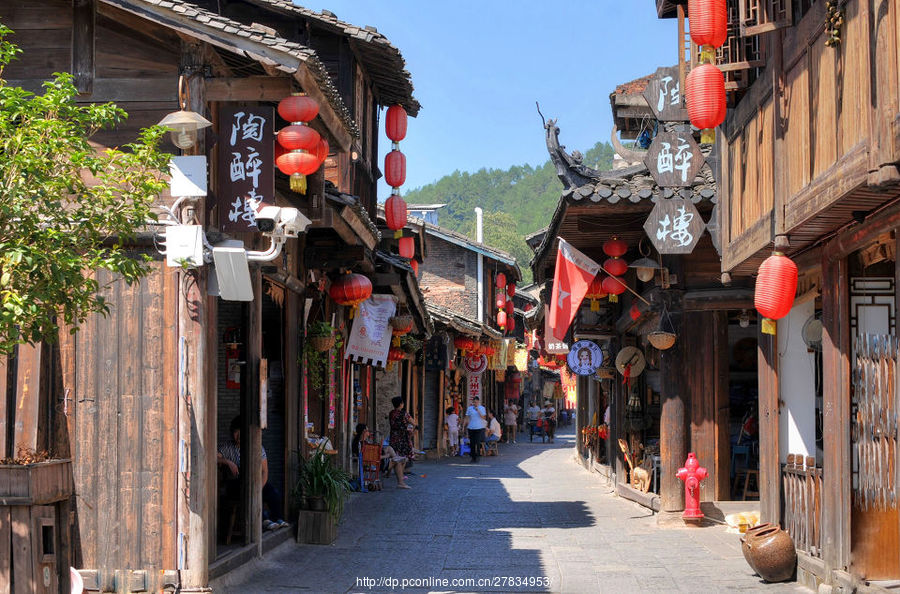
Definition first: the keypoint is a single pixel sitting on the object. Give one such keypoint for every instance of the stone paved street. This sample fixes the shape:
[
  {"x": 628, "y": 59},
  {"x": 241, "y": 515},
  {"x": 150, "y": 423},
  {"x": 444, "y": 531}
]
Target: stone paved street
[{"x": 530, "y": 513}]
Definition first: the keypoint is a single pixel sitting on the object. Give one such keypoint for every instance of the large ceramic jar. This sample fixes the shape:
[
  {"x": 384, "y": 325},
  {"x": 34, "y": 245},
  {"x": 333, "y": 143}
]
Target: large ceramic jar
[
  {"x": 745, "y": 547},
  {"x": 772, "y": 554}
]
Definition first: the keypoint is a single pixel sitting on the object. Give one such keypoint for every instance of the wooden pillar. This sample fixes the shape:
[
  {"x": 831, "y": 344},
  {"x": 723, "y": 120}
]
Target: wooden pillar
[
  {"x": 673, "y": 440},
  {"x": 836, "y": 404},
  {"x": 768, "y": 408},
  {"x": 292, "y": 405},
  {"x": 254, "y": 437}
]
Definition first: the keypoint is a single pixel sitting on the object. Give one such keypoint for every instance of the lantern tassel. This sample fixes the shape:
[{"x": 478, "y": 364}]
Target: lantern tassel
[
  {"x": 613, "y": 298},
  {"x": 595, "y": 305},
  {"x": 708, "y": 55},
  {"x": 398, "y": 233},
  {"x": 708, "y": 136},
  {"x": 769, "y": 326},
  {"x": 395, "y": 341},
  {"x": 298, "y": 183}
]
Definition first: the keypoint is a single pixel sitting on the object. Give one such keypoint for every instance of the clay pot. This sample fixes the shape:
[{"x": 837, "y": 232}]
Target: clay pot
[
  {"x": 745, "y": 548},
  {"x": 771, "y": 553}
]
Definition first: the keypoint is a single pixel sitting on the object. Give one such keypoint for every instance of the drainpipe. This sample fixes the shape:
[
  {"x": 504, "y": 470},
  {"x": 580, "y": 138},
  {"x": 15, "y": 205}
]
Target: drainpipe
[{"x": 479, "y": 237}]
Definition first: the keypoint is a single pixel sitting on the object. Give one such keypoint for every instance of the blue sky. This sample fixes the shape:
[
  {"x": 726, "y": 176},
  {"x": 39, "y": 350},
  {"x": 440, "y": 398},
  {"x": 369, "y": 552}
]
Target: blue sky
[{"x": 479, "y": 67}]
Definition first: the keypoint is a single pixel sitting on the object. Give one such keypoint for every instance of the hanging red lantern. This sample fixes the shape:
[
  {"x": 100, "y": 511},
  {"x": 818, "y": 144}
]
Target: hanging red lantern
[
  {"x": 395, "y": 212},
  {"x": 279, "y": 150},
  {"x": 509, "y": 308},
  {"x": 298, "y": 108},
  {"x": 401, "y": 325},
  {"x": 708, "y": 21},
  {"x": 776, "y": 286},
  {"x": 511, "y": 290},
  {"x": 615, "y": 286},
  {"x": 297, "y": 136},
  {"x": 615, "y": 248},
  {"x": 511, "y": 324},
  {"x": 616, "y": 266},
  {"x": 414, "y": 264},
  {"x": 395, "y": 354},
  {"x": 596, "y": 292},
  {"x": 635, "y": 311},
  {"x": 462, "y": 343},
  {"x": 395, "y": 169},
  {"x": 501, "y": 300},
  {"x": 501, "y": 319},
  {"x": 322, "y": 150},
  {"x": 500, "y": 280},
  {"x": 298, "y": 165},
  {"x": 350, "y": 289},
  {"x": 706, "y": 101},
  {"x": 407, "y": 247},
  {"x": 395, "y": 123}
]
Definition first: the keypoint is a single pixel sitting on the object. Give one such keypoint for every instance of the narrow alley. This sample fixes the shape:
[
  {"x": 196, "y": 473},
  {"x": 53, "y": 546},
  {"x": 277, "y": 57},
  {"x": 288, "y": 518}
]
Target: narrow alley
[{"x": 530, "y": 514}]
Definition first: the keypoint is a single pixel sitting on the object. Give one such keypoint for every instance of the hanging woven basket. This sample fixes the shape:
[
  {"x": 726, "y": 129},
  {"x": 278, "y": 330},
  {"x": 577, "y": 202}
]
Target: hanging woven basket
[
  {"x": 322, "y": 343},
  {"x": 661, "y": 340}
]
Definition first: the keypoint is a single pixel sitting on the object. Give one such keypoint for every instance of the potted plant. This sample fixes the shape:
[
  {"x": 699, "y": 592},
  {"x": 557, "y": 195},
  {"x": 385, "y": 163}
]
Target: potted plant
[
  {"x": 321, "y": 336},
  {"x": 320, "y": 339},
  {"x": 324, "y": 488}
]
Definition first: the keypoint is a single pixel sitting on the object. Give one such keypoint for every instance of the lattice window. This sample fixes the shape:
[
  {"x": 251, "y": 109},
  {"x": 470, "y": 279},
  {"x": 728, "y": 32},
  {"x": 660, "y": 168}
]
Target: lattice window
[{"x": 760, "y": 16}]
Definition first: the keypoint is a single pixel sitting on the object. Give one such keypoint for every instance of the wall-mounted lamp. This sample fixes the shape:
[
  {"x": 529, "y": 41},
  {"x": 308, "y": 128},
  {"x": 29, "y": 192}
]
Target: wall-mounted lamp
[
  {"x": 645, "y": 268},
  {"x": 184, "y": 124},
  {"x": 744, "y": 319}
]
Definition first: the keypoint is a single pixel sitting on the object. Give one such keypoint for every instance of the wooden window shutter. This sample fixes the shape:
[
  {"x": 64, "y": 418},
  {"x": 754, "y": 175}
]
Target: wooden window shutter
[{"x": 760, "y": 16}]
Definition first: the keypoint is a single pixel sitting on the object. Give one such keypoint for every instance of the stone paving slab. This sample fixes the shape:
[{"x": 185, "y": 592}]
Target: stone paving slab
[{"x": 530, "y": 514}]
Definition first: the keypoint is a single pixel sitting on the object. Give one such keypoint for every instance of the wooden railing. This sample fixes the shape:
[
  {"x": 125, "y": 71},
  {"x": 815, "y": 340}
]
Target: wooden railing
[{"x": 802, "y": 484}]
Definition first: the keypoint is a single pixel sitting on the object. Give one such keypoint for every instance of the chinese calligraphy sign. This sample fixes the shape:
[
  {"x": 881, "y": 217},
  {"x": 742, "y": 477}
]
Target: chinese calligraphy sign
[
  {"x": 664, "y": 95},
  {"x": 674, "y": 159},
  {"x": 674, "y": 226},
  {"x": 245, "y": 165}
]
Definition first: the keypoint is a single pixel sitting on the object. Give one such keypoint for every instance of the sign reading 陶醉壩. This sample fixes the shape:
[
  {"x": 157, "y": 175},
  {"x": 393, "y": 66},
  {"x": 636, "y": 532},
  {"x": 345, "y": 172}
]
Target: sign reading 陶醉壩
[
  {"x": 664, "y": 94},
  {"x": 674, "y": 159},
  {"x": 674, "y": 226},
  {"x": 245, "y": 164}
]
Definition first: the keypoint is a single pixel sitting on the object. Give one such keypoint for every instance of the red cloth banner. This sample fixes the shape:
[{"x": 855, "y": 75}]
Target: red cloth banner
[{"x": 573, "y": 275}]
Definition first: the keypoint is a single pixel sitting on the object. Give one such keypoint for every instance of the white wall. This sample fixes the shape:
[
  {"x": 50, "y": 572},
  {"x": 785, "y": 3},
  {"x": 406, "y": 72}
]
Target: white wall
[{"x": 797, "y": 385}]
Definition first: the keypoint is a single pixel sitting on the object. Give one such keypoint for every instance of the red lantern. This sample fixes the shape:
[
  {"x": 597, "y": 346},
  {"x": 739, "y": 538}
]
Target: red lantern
[
  {"x": 511, "y": 290},
  {"x": 350, "y": 289},
  {"x": 322, "y": 150},
  {"x": 615, "y": 286},
  {"x": 709, "y": 21},
  {"x": 395, "y": 212},
  {"x": 401, "y": 325},
  {"x": 776, "y": 286},
  {"x": 407, "y": 247},
  {"x": 296, "y": 137},
  {"x": 298, "y": 108},
  {"x": 509, "y": 308},
  {"x": 596, "y": 292},
  {"x": 279, "y": 150},
  {"x": 462, "y": 343},
  {"x": 500, "y": 279},
  {"x": 298, "y": 165},
  {"x": 501, "y": 319},
  {"x": 395, "y": 354},
  {"x": 705, "y": 94},
  {"x": 615, "y": 248},
  {"x": 616, "y": 266},
  {"x": 414, "y": 264},
  {"x": 501, "y": 300},
  {"x": 635, "y": 311},
  {"x": 511, "y": 324},
  {"x": 395, "y": 123},
  {"x": 395, "y": 168}
]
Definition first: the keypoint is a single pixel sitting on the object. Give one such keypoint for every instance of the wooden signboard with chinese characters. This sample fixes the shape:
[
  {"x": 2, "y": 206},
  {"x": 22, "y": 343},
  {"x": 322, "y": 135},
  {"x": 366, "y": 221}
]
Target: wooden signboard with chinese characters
[
  {"x": 674, "y": 226},
  {"x": 246, "y": 165},
  {"x": 664, "y": 95},
  {"x": 674, "y": 159}
]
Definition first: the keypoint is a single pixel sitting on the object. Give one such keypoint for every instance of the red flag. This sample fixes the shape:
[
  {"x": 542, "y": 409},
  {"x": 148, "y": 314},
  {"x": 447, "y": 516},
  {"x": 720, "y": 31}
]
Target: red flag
[{"x": 573, "y": 276}]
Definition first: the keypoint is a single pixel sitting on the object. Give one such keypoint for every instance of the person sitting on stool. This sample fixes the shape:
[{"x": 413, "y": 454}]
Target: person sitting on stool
[{"x": 493, "y": 433}]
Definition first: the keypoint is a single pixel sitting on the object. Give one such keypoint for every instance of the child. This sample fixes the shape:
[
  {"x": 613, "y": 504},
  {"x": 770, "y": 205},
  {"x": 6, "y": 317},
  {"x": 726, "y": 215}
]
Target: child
[{"x": 451, "y": 427}]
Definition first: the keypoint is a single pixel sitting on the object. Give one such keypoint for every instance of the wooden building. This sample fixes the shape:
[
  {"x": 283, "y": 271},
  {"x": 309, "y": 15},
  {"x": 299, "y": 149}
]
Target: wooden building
[
  {"x": 809, "y": 166},
  {"x": 139, "y": 399}
]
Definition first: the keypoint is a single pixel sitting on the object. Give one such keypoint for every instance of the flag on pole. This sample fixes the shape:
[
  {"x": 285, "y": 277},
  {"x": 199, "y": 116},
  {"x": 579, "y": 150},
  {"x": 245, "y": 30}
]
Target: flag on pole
[{"x": 573, "y": 276}]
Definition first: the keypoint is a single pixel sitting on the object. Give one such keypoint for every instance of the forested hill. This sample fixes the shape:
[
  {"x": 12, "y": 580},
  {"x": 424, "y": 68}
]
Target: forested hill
[{"x": 516, "y": 201}]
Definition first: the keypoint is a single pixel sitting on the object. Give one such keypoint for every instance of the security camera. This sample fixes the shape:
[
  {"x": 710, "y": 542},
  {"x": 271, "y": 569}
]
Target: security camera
[
  {"x": 267, "y": 218},
  {"x": 293, "y": 222}
]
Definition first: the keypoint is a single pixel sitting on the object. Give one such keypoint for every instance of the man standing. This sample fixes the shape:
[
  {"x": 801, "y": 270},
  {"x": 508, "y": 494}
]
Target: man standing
[
  {"x": 476, "y": 421},
  {"x": 511, "y": 420},
  {"x": 533, "y": 413}
]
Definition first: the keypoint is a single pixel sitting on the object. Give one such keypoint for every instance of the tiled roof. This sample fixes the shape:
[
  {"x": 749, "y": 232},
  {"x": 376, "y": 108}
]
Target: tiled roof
[
  {"x": 381, "y": 60},
  {"x": 634, "y": 87},
  {"x": 335, "y": 195},
  {"x": 402, "y": 264},
  {"x": 243, "y": 40}
]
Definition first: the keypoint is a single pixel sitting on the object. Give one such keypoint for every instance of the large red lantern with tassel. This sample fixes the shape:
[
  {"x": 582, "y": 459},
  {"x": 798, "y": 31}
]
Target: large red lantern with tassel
[
  {"x": 500, "y": 280},
  {"x": 709, "y": 21},
  {"x": 501, "y": 319},
  {"x": 395, "y": 123},
  {"x": 395, "y": 169},
  {"x": 395, "y": 354},
  {"x": 615, "y": 248},
  {"x": 616, "y": 266},
  {"x": 615, "y": 286},
  {"x": 297, "y": 163},
  {"x": 407, "y": 247},
  {"x": 705, "y": 94},
  {"x": 350, "y": 289},
  {"x": 596, "y": 292},
  {"x": 395, "y": 212},
  {"x": 776, "y": 286},
  {"x": 298, "y": 108},
  {"x": 300, "y": 142}
]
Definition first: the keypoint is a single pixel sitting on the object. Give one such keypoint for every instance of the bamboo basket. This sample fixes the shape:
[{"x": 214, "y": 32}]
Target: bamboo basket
[
  {"x": 322, "y": 343},
  {"x": 661, "y": 340}
]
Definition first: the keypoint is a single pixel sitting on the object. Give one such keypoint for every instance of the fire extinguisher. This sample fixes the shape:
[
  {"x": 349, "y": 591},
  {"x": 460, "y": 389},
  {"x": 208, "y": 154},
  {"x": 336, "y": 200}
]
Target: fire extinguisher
[{"x": 233, "y": 361}]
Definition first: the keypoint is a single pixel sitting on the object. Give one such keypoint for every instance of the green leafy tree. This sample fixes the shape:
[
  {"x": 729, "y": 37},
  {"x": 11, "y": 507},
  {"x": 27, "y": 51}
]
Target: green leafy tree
[
  {"x": 500, "y": 232},
  {"x": 66, "y": 208}
]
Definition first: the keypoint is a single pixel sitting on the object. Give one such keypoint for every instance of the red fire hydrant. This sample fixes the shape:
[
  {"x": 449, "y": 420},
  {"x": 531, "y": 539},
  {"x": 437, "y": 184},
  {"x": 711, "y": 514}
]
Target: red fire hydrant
[{"x": 692, "y": 474}]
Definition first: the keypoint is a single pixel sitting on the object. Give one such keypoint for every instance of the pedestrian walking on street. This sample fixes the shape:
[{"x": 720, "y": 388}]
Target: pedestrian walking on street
[
  {"x": 399, "y": 421},
  {"x": 476, "y": 421},
  {"x": 511, "y": 419},
  {"x": 549, "y": 419},
  {"x": 451, "y": 426}
]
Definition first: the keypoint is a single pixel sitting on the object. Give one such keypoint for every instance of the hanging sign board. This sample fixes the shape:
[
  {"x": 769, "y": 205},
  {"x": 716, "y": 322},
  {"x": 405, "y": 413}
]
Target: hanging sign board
[
  {"x": 585, "y": 357},
  {"x": 474, "y": 367},
  {"x": 674, "y": 159},
  {"x": 663, "y": 94},
  {"x": 674, "y": 226},
  {"x": 552, "y": 345},
  {"x": 246, "y": 165},
  {"x": 370, "y": 339}
]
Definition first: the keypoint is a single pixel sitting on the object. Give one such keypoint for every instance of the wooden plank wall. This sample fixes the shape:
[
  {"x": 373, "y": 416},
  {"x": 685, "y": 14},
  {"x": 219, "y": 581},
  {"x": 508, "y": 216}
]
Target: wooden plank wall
[{"x": 124, "y": 390}]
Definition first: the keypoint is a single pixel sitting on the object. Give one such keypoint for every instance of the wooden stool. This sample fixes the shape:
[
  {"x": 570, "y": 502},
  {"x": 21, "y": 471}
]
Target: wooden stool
[{"x": 747, "y": 473}]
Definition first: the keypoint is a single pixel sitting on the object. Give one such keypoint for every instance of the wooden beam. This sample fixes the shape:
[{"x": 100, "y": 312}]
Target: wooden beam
[
  {"x": 362, "y": 230},
  {"x": 673, "y": 439},
  {"x": 119, "y": 90},
  {"x": 84, "y": 19},
  {"x": 341, "y": 137},
  {"x": 748, "y": 243},
  {"x": 250, "y": 88},
  {"x": 718, "y": 299}
]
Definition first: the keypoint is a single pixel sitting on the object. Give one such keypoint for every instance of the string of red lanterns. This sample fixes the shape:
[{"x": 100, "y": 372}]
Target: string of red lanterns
[
  {"x": 300, "y": 150},
  {"x": 395, "y": 168},
  {"x": 613, "y": 285},
  {"x": 705, "y": 84}
]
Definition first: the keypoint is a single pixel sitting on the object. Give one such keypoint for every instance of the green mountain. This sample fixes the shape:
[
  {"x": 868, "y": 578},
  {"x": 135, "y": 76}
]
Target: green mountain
[{"x": 516, "y": 201}]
